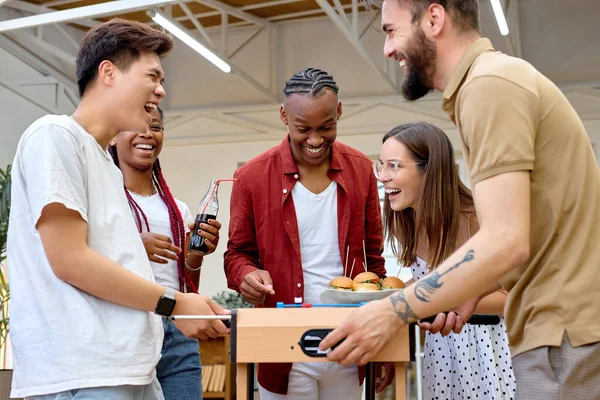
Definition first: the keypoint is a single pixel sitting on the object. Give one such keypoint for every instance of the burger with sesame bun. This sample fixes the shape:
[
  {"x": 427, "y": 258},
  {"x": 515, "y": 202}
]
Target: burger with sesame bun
[
  {"x": 341, "y": 283},
  {"x": 391, "y": 282},
  {"x": 366, "y": 282}
]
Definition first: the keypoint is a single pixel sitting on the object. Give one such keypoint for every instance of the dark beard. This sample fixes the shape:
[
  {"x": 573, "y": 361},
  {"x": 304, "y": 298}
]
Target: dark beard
[{"x": 420, "y": 60}]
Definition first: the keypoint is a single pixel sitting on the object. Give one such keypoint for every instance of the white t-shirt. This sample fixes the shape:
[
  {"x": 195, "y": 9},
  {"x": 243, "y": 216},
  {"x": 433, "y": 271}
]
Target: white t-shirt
[
  {"x": 158, "y": 218},
  {"x": 319, "y": 244},
  {"x": 63, "y": 338}
]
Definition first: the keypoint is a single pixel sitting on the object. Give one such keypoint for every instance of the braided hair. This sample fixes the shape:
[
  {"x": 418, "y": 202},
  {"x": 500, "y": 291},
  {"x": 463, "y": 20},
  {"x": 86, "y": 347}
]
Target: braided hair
[
  {"x": 311, "y": 82},
  {"x": 175, "y": 218}
]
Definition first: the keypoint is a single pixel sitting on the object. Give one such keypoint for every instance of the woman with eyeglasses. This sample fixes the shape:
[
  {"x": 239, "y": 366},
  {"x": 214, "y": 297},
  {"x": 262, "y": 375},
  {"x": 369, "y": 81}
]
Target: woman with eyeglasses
[
  {"x": 164, "y": 223},
  {"x": 430, "y": 213}
]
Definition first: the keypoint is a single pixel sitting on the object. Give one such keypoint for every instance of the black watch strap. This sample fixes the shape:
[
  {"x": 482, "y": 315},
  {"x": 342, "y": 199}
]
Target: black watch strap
[{"x": 166, "y": 303}]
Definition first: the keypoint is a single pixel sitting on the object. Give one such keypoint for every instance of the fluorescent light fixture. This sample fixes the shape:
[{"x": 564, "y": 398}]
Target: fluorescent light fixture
[
  {"x": 190, "y": 41},
  {"x": 499, "y": 14},
  {"x": 73, "y": 14}
]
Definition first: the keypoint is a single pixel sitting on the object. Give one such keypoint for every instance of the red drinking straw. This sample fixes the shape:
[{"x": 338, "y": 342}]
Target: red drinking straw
[{"x": 213, "y": 189}]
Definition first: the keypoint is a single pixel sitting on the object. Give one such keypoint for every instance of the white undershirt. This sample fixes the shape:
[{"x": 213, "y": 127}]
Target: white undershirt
[
  {"x": 319, "y": 245},
  {"x": 158, "y": 218}
]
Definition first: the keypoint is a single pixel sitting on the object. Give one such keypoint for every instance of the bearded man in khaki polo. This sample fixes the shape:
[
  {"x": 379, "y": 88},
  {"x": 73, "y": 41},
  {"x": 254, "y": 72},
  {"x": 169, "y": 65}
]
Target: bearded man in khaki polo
[{"x": 537, "y": 194}]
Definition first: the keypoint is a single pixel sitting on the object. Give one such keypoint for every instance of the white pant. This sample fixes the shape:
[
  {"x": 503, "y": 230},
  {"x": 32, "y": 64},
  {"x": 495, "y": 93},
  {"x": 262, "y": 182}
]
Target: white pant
[{"x": 319, "y": 381}]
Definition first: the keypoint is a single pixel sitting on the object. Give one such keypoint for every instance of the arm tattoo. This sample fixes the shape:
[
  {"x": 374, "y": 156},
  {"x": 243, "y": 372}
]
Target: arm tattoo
[
  {"x": 428, "y": 286},
  {"x": 402, "y": 309}
]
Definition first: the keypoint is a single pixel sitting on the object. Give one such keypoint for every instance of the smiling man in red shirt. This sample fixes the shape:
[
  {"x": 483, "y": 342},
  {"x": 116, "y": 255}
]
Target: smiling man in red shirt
[{"x": 296, "y": 211}]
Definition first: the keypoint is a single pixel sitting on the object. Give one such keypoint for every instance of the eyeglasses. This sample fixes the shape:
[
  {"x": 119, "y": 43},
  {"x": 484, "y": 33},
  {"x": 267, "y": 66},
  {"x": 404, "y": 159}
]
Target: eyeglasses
[{"x": 389, "y": 167}]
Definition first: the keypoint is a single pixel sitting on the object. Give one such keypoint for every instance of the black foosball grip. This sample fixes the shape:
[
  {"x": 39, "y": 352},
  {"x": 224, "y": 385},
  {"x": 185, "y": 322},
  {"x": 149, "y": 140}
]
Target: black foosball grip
[
  {"x": 476, "y": 319},
  {"x": 311, "y": 339}
]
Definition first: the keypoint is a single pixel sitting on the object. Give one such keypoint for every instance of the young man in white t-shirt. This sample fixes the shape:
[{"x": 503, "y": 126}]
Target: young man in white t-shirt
[{"x": 83, "y": 298}]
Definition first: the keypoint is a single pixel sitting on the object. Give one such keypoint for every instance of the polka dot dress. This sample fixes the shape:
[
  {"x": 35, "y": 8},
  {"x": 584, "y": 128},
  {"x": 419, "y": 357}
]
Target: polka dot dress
[{"x": 474, "y": 364}]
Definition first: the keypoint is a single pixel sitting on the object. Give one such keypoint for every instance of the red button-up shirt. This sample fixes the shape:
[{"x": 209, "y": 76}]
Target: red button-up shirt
[{"x": 263, "y": 230}]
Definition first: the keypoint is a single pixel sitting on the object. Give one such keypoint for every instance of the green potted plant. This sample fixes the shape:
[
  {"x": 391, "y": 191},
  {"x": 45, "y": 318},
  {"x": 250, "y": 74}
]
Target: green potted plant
[
  {"x": 5, "y": 371},
  {"x": 231, "y": 299}
]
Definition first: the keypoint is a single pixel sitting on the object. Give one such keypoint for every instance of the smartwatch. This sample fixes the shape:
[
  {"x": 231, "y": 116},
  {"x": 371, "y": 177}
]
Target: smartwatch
[{"x": 166, "y": 303}]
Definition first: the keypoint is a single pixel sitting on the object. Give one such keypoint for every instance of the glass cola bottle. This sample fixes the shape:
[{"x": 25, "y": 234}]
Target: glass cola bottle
[{"x": 207, "y": 209}]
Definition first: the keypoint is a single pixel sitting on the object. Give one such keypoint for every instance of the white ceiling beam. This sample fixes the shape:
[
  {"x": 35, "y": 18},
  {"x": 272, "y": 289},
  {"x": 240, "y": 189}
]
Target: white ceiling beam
[
  {"x": 169, "y": 10},
  {"x": 429, "y": 104},
  {"x": 59, "y": 3},
  {"x": 15, "y": 89},
  {"x": 37, "y": 63},
  {"x": 221, "y": 138},
  {"x": 224, "y": 32},
  {"x": 306, "y": 13},
  {"x": 73, "y": 99},
  {"x": 269, "y": 4},
  {"x": 513, "y": 21},
  {"x": 50, "y": 48},
  {"x": 591, "y": 93},
  {"x": 34, "y": 81},
  {"x": 341, "y": 12},
  {"x": 196, "y": 23},
  {"x": 433, "y": 99},
  {"x": 418, "y": 110},
  {"x": 273, "y": 60},
  {"x": 236, "y": 69},
  {"x": 215, "y": 13},
  {"x": 298, "y": 14},
  {"x": 184, "y": 18},
  {"x": 243, "y": 123},
  {"x": 576, "y": 85},
  {"x": 244, "y": 8},
  {"x": 236, "y": 12},
  {"x": 254, "y": 83},
  {"x": 353, "y": 39},
  {"x": 74, "y": 14},
  {"x": 3, "y": 2},
  {"x": 35, "y": 9},
  {"x": 357, "y": 109},
  {"x": 67, "y": 35},
  {"x": 173, "y": 121},
  {"x": 369, "y": 23},
  {"x": 245, "y": 42},
  {"x": 355, "y": 16},
  {"x": 509, "y": 45}
]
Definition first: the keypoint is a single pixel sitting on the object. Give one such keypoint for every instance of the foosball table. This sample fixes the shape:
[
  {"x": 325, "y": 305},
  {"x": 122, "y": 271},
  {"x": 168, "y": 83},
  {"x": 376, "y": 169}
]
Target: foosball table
[{"x": 292, "y": 333}]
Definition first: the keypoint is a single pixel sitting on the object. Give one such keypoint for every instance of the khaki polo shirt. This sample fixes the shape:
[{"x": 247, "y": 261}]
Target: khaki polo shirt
[{"x": 512, "y": 118}]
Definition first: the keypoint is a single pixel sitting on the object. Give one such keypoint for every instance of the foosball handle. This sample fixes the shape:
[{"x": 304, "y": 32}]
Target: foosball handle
[
  {"x": 311, "y": 339},
  {"x": 476, "y": 319}
]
